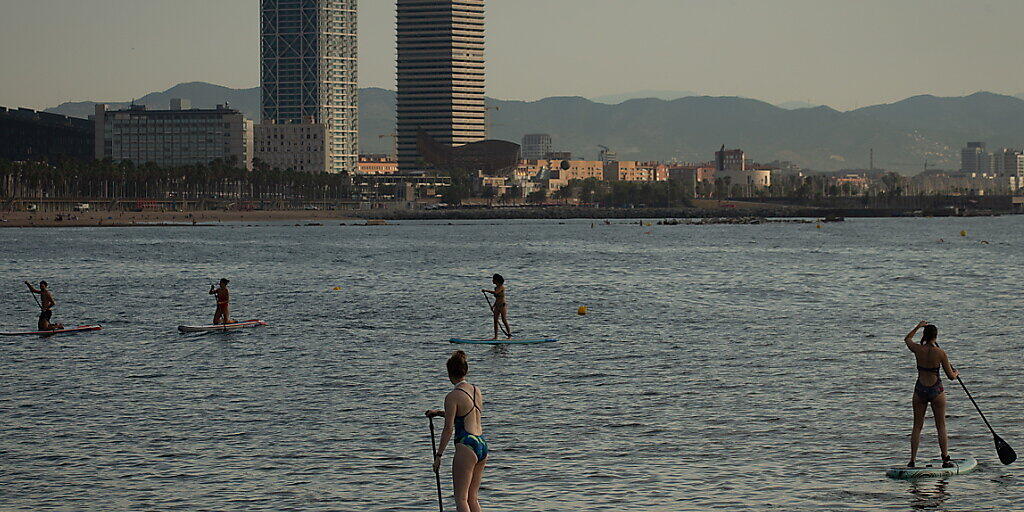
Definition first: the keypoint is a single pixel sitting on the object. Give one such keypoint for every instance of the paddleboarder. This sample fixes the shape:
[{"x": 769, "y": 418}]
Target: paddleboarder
[
  {"x": 222, "y": 316},
  {"x": 462, "y": 410},
  {"x": 46, "y": 304},
  {"x": 500, "y": 308},
  {"x": 928, "y": 389}
]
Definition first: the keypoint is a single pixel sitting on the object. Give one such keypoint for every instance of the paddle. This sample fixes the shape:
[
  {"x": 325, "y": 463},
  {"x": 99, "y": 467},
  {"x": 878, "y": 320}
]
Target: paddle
[
  {"x": 502, "y": 327},
  {"x": 1006, "y": 454},
  {"x": 30, "y": 292},
  {"x": 433, "y": 445}
]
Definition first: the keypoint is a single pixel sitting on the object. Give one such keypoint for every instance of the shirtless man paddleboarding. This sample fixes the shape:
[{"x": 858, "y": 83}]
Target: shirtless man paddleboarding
[
  {"x": 46, "y": 304},
  {"x": 222, "y": 315}
]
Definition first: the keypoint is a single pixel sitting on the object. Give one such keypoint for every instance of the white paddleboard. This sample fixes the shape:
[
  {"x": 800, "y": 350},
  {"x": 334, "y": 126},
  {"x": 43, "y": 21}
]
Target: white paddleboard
[
  {"x": 960, "y": 467},
  {"x": 245, "y": 324},
  {"x": 69, "y": 330},
  {"x": 513, "y": 341}
]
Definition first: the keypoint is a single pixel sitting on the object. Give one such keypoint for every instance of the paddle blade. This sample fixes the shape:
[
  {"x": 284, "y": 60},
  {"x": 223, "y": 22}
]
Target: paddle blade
[{"x": 1006, "y": 454}]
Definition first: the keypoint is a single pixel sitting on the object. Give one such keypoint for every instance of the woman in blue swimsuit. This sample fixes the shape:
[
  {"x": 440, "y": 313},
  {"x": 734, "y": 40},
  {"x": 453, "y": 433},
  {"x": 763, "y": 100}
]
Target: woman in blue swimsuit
[
  {"x": 928, "y": 389},
  {"x": 462, "y": 409}
]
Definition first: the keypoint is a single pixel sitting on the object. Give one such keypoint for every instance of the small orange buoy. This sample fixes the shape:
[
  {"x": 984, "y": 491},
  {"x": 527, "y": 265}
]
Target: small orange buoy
[
  {"x": 337, "y": 288},
  {"x": 581, "y": 311}
]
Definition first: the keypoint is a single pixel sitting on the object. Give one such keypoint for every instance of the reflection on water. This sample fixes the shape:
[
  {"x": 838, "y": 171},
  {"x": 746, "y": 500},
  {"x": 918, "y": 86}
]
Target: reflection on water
[{"x": 928, "y": 494}]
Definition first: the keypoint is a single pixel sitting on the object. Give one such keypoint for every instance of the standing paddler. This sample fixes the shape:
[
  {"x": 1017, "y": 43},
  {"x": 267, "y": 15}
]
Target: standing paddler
[
  {"x": 222, "y": 315},
  {"x": 46, "y": 304},
  {"x": 463, "y": 407},
  {"x": 499, "y": 310},
  {"x": 928, "y": 389}
]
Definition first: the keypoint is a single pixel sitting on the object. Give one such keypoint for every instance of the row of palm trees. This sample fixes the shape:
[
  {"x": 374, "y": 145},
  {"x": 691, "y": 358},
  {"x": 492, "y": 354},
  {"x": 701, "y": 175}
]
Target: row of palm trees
[{"x": 219, "y": 179}]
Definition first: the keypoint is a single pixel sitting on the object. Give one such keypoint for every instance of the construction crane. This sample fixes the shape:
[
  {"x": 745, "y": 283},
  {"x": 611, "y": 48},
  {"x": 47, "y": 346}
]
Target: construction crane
[{"x": 394, "y": 143}]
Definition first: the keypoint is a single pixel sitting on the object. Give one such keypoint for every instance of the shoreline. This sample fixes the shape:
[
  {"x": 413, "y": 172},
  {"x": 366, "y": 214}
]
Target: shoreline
[{"x": 726, "y": 210}]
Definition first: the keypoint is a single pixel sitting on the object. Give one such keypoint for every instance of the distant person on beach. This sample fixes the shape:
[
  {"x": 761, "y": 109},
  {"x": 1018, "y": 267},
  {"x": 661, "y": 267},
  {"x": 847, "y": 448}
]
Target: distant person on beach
[
  {"x": 928, "y": 389},
  {"x": 462, "y": 410},
  {"x": 222, "y": 315},
  {"x": 500, "y": 308},
  {"x": 46, "y": 304}
]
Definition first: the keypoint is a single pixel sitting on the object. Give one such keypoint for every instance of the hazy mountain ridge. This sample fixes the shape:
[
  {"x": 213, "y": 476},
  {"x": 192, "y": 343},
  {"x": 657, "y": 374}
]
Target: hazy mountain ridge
[{"x": 903, "y": 134}]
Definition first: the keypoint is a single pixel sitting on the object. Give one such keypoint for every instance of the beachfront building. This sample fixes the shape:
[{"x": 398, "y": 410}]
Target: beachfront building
[
  {"x": 377, "y": 165},
  {"x": 750, "y": 180},
  {"x": 730, "y": 160},
  {"x": 696, "y": 176},
  {"x": 536, "y": 146},
  {"x": 975, "y": 158},
  {"x": 173, "y": 137},
  {"x": 440, "y": 76},
  {"x": 308, "y": 72},
  {"x": 291, "y": 147},
  {"x": 635, "y": 171},
  {"x": 29, "y": 135}
]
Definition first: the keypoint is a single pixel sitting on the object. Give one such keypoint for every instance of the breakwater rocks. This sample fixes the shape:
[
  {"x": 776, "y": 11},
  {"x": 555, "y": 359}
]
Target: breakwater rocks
[
  {"x": 584, "y": 213},
  {"x": 731, "y": 220}
]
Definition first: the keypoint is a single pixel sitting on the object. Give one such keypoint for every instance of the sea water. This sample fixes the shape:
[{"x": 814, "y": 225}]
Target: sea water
[{"x": 739, "y": 367}]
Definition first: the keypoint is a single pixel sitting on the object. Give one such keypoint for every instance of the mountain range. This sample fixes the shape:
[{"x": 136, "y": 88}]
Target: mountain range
[{"x": 905, "y": 135}]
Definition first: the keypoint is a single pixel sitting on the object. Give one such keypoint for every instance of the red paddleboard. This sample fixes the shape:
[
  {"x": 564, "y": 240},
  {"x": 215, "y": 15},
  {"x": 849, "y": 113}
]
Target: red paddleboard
[
  {"x": 69, "y": 330},
  {"x": 245, "y": 324}
]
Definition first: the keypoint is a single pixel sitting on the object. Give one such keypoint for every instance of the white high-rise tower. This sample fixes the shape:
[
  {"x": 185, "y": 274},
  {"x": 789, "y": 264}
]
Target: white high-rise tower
[{"x": 308, "y": 72}]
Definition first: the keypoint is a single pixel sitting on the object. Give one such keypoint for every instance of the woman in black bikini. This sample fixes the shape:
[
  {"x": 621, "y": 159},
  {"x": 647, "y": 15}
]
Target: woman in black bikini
[{"x": 930, "y": 359}]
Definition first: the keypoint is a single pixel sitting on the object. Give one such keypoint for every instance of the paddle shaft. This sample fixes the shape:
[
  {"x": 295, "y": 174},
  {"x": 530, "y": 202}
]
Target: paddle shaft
[
  {"x": 502, "y": 327},
  {"x": 983, "y": 418},
  {"x": 30, "y": 292},
  {"x": 437, "y": 474}
]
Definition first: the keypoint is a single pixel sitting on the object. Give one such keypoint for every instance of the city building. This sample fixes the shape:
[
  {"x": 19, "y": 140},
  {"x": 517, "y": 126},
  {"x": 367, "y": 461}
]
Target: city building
[
  {"x": 692, "y": 174},
  {"x": 291, "y": 147},
  {"x": 565, "y": 170},
  {"x": 749, "y": 179},
  {"x": 730, "y": 159},
  {"x": 607, "y": 155},
  {"x": 1008, "y": 162},
  {"x": 440, "y": 76},
  {"x": 377, "y": 164},
  {"x": 29, "y": 135},
  {"x": 308, "y": 72},
  {"x": 975, "y": 158},
  {"x": 557, "y": 155},
  {"x": 173, "y": 137},
  {"x": 536, "y": 146},
  {"x": 635, "y": 171}
]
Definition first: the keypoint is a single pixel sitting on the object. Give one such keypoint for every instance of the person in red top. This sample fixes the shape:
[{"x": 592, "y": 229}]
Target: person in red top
[{"x": 222, "y": 316}]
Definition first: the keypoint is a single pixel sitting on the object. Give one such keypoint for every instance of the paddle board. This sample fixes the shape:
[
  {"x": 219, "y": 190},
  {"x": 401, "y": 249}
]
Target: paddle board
[
  {"x": 513, "y": 341},
  {"x": 960, "y": 467},
  {"x": 245, "y": 324},
  {"x": 69, "y": 330}
]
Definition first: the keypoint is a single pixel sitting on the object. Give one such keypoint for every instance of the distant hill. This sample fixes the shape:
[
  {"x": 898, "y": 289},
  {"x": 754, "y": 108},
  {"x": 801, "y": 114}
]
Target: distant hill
[
  {"x": 615, "y": 99},
  {"x": 793, "y": 105},
  {"x": 904, "y": 134},
  {"x": 201, "y": 94}
]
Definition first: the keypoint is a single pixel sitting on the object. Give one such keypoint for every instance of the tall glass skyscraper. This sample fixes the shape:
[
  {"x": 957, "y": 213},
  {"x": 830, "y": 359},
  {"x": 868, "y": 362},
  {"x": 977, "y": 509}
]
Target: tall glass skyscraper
[
  {"x": 440, "y": 74},
  {"x": 308, "y": 71}
]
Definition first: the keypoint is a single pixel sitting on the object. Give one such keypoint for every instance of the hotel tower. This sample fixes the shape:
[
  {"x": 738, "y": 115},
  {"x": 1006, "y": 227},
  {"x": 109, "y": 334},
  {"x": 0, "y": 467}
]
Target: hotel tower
[
  {"x": 308, "y": 57},
  {"x": 440, "y": 75}
]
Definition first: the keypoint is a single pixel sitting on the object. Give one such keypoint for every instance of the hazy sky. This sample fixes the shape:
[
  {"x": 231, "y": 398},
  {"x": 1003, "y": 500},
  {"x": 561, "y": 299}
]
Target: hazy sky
[{"x": 845, "y": 53}]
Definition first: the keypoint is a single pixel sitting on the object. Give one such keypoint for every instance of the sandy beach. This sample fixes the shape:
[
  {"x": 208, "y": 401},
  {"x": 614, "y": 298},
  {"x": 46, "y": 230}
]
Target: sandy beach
[{"x": 149, "y": 218}]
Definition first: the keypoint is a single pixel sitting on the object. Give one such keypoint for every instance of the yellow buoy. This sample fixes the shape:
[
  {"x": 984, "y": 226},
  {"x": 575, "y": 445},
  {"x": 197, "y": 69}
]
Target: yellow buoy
[
  {"x": 963, "y": 233},
  {"x": 337, "y": 288},
  {"x": 581, "y": 311}
]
